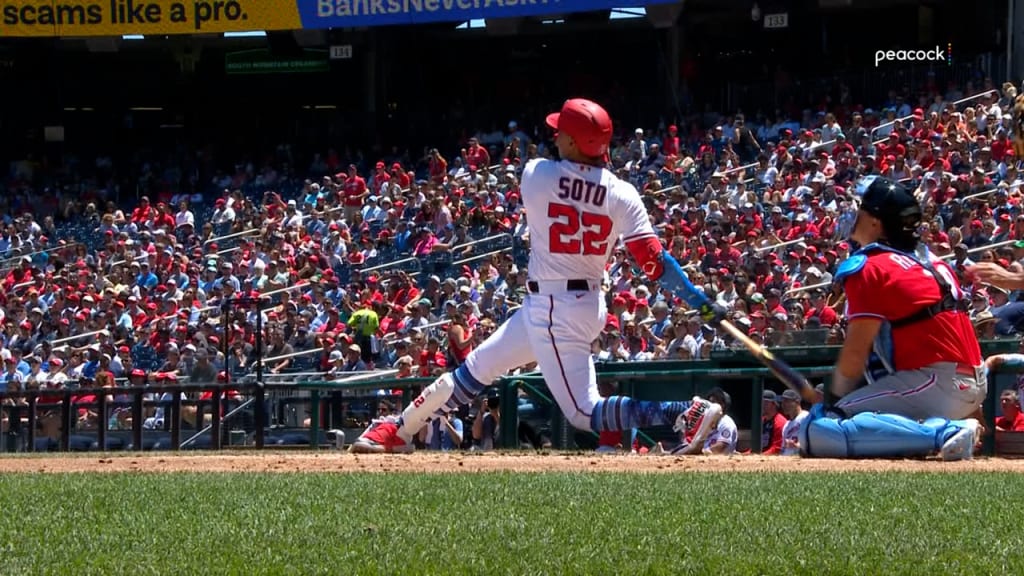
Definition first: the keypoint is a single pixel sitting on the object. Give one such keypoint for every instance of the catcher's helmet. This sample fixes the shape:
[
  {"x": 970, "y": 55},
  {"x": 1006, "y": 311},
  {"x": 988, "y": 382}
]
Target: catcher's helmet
[
  {"x": 587, "y": 123},
  {"x": 896, "y": 207}
]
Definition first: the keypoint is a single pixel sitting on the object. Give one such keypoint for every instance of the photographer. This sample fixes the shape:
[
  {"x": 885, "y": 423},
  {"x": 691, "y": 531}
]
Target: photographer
[
  {"x": 485, "y": 425},
  {"x": 443, "y": 434}
]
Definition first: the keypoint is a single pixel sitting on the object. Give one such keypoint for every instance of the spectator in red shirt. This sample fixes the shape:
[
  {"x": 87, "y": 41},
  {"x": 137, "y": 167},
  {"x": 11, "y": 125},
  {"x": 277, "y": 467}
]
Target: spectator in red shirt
[
  {"x": 432, "y": 359},
  {"x": 476, "y": 154},
  {"x": 438, "y": 167},
  {"x": 1000, "y": 145},
  {"x": 163, "y": 218},
  {"x": 892, "y": 147},
  {"x": 380, "y": 178},
  {"x": 772, "y": 423},
  {"x": 820, "y": 310},
  {"x": 670, "y": 146},
  {"x": 401, "y": 176},
  {"x": 143, "y": 212},
  {"x": 354, "y": 191},
  {"x": 1012, "y": 419}
]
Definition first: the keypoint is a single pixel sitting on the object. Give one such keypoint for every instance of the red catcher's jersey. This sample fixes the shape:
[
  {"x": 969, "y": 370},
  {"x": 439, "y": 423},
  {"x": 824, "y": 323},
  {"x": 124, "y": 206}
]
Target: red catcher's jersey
[{"x": 892, "y": 286}]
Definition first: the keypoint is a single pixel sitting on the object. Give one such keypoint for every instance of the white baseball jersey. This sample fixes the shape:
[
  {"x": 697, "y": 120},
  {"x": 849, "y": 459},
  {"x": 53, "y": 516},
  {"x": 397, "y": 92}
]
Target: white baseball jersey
[
  {"x": 791, "y": 431},
  {"x": 725, "y": 432},
  {"x": 576, "y": 214}
]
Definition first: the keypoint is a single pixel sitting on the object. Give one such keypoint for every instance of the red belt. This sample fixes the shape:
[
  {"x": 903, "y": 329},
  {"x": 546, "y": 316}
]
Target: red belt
[{"x": 966, "y": 370}]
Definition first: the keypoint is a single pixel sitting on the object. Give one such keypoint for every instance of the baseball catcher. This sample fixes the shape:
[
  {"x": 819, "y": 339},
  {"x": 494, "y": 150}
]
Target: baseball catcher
[{"x": 910, "y": 374}]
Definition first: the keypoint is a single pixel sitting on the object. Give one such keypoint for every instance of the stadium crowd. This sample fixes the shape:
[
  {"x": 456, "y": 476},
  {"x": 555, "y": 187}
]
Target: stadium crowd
[{"x": 406, "y": 264}]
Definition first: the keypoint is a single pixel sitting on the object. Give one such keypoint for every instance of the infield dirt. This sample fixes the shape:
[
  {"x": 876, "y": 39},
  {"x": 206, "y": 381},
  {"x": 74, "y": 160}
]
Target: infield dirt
[{"x": 427, "y": 462}]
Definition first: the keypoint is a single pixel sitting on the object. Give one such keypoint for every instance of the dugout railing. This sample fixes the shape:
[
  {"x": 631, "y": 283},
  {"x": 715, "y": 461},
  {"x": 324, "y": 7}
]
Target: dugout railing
[{"x": 251, "y": 415}]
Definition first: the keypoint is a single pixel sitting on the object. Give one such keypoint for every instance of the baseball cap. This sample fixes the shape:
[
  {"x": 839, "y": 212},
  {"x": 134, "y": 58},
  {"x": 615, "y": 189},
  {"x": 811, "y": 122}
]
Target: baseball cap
[
  {"x": 791, "y": 395},
  {"x": 770, "y": 395}
]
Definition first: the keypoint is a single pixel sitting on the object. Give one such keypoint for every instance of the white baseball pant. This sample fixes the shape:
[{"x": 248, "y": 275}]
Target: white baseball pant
[{"x": 555, "y": 328}]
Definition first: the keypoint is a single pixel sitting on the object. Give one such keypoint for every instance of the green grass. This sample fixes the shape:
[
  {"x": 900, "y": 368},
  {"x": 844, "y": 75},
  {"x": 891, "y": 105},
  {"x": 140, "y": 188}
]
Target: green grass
[{"x": 892, "y": 523}]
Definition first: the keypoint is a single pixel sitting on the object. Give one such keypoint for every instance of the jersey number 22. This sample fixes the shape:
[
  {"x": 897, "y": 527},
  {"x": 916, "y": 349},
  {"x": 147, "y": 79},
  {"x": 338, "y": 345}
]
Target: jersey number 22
[{"x": 566, "y": 227}]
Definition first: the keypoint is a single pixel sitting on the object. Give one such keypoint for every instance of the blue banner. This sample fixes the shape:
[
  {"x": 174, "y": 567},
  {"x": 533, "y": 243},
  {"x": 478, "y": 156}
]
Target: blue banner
[{"x": 316, "y": 14}]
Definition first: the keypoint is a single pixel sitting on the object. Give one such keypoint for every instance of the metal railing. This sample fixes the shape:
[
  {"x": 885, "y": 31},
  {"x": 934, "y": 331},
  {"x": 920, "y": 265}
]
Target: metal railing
[
  {"x": 249, "y": 232},
  {"x": 482, "y": 240},
  {"x": 977, "y": 249},
  {"x": 905, "y": 118},
  {"x": 668, "y": 379},
  {"x": 481, "y": 256},
  {"x": 389, "y": 264},
  {"x": 14, "y": 258}
]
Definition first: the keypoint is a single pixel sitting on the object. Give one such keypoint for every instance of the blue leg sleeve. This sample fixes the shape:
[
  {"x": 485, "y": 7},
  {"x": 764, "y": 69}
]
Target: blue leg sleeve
[
  {"x": 870, "y": 435},
  {"x": 623, "y": 413},
  {"x": 466, "y": 389}
]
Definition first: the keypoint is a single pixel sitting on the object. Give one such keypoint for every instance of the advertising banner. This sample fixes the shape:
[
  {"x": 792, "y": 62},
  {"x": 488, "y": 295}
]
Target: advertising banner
[
  {"x": 74, "y": 18},
  {"x": 347, "y": 13},
  {"x": 21, "y": 18}
]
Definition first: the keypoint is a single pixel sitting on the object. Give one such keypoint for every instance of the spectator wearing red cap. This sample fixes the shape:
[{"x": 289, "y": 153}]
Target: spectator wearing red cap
[
  {"x": 400, "y": 177},
  {"x": 379, "y": 181},
  {"x": 223, "y": 216},
  {"x": 670, "y": 145},
  {"x": 156, "y": 420}
]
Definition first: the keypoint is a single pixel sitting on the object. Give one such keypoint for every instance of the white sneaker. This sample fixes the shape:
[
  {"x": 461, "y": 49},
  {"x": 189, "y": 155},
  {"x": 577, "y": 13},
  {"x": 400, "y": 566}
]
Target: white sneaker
[
  {"x": 961, "y": 445},
  {"x": 606, "y": 450}
]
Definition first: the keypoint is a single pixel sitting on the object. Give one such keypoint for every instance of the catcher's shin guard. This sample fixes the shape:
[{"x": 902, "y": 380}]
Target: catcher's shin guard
[{"x": 869, "y": 435}]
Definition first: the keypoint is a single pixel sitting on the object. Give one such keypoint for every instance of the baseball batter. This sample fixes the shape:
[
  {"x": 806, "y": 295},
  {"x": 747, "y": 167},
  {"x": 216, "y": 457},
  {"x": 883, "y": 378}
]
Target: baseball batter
[
  {"x": 910, "y": 343},
  {"x": 578, "y": 212}
]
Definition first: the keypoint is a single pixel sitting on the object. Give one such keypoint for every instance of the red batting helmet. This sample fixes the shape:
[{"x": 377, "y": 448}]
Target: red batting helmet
[{"x": 587, "y": 123}]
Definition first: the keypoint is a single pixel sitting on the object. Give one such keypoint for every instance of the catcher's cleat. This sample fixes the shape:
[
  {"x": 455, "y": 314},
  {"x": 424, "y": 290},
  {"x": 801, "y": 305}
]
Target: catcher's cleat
[{"x": 960, "y": 446}]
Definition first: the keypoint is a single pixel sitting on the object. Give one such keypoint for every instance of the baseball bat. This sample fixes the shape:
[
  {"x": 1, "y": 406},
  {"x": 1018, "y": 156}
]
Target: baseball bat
[
  {"x": 697, "y": 300},
  {"x": 784, "y": 372}
]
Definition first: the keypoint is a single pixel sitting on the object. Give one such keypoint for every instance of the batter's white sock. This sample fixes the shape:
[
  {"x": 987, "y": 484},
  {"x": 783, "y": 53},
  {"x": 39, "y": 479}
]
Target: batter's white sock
[{"x": 445, "y": 395}]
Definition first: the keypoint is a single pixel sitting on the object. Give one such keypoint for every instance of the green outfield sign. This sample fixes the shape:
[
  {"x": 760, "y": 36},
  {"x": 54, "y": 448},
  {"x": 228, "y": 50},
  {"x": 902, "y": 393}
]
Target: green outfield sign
[{"x": 263, "y": 62}]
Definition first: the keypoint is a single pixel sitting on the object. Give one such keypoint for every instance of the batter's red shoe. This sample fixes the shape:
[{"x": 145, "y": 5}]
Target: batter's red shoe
[
  {"x": 381, "y": 437},
  {"x": 695, "y": 424}
]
